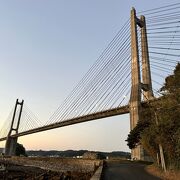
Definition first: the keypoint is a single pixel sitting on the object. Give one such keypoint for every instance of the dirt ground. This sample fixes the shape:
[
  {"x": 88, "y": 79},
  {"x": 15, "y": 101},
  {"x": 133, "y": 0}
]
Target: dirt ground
[{"x": 16, "y": 172}]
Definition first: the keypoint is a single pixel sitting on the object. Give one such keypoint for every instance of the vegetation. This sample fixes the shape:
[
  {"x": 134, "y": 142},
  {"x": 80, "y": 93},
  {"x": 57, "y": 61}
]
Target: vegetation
[
  {"x": 20, "y": 150},
  {"x": 160, "y": 123}
]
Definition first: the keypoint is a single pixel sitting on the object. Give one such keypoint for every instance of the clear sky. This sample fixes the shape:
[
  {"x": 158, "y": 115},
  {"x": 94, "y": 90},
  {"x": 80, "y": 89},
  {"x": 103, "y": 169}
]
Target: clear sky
[{"x": 46, "y": 46}]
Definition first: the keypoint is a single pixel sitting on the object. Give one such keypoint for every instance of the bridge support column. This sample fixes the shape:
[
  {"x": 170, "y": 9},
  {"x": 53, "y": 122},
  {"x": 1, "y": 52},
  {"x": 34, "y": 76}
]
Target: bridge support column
[
  {"x": 10, "y": 147},
  {"x": 11, "y": 142},
  {"x": 146, "y": 73},
  {"x": 135, "y": 99}
]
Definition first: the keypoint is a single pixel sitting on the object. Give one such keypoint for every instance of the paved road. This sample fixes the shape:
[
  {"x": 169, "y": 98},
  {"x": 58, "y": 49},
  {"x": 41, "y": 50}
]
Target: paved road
[{"x": 116, "y": 170}]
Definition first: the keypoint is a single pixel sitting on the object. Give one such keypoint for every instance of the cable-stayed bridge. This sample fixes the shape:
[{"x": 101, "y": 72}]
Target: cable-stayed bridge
[{"x": 128, "y": 74}]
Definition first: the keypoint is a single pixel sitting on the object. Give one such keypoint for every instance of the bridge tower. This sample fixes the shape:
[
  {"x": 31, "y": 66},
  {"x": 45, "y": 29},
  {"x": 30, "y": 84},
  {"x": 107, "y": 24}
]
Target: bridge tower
[
  {"x": 11, "y": 142},
  {"x": 146, "y": 72},
  {"x": 136, "y": 85}
]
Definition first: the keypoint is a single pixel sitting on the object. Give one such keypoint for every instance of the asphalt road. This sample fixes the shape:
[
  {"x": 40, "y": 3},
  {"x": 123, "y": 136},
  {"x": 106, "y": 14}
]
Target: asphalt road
[{"x": 122, "y": 170}]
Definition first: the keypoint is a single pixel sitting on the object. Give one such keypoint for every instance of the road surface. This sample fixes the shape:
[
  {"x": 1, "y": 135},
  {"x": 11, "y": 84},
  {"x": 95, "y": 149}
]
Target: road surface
[{"x": 124, "y": 170}]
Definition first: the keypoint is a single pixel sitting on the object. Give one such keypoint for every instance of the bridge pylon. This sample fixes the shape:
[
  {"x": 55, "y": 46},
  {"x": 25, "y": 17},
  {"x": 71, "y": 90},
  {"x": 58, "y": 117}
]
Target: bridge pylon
[
  {"x": 11, "y": 142},
  {"x": 146, "y": 72},
  {"x": 136, "y": 85}
]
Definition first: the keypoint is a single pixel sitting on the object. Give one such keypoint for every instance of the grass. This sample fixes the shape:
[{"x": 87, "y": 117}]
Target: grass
[{"x": 169, "y": 175}]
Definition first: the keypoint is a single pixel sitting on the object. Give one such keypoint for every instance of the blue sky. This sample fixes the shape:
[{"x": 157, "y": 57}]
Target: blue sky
[{"x": 46, "y": 46}]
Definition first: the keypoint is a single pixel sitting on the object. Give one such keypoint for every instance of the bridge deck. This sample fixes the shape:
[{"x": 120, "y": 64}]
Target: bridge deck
[{"x": 89, "y": 117}]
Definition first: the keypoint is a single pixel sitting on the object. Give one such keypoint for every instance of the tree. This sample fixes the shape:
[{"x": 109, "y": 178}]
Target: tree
[
  {"x": 169, "y": 118},
  {"x": 20, "y": 150},
  {"x": 134, "y": 136},
  {"x": 160, "y": 123}
]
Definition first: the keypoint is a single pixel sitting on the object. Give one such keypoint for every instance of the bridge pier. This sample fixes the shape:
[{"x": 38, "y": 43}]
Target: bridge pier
[
  {"x": 11, "y": 142},
  {"x": 138, "y": 153},
  {"x": 10, "y": 147}
]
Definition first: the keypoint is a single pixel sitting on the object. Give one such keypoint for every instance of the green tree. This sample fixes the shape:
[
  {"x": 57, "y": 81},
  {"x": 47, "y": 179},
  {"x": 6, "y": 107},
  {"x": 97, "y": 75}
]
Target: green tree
[
  {"x": 134, "y": 136},
  {"x": 20, "y": 150},
  {"x": 160, "y": 123},
  {"x": 168, "y": 113}
]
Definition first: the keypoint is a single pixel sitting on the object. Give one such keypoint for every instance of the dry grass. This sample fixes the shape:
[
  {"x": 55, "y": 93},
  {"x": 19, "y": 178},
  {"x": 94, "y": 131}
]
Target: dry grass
[{"x": 169, "y": 175}]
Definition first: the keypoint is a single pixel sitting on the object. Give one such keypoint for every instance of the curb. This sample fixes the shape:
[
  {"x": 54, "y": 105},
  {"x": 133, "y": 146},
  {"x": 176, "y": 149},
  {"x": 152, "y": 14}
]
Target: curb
[{"x": 97, "y": 174}]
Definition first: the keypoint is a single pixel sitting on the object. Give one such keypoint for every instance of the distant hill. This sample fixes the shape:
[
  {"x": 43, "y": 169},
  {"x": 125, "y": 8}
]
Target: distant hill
[
  {"x": 74, "y": 153},
  {"x": 68, "y": 153}
]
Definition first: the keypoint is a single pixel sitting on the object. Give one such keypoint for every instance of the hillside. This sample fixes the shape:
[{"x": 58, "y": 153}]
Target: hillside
[{"x": 75, "y": 153}]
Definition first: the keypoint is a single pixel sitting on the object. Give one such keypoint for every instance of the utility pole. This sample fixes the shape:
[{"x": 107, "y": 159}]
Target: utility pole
[{"x": 163, "y": 164}]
